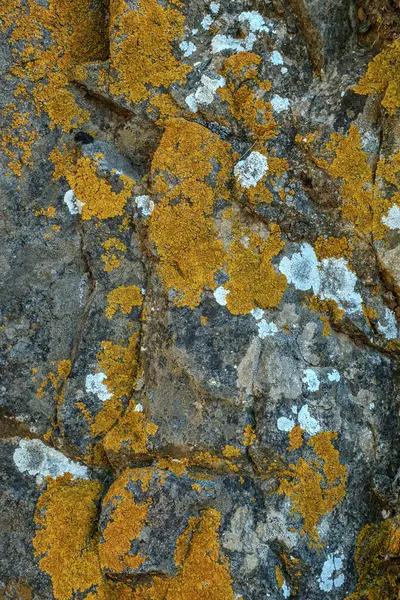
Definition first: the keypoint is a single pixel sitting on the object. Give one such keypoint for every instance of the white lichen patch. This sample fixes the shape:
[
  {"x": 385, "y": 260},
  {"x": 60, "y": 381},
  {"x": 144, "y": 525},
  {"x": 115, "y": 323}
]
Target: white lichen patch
[
  {"x": 188, "y": 48},
  {"x": 389, "y": 325},
  {"x": 74, "y": 205},
  {"x": 285, "y": 424},
  {"x": 138, "y": 408},
  {"x": 302, "y": 269},
  {"x": 307, "y": 422},
  {"x": 276, "y": 58},
  {"x": 330, "y": 578},
  {"x": 286, "y": 591},
  {"x": 220, "y": 295},
  {"x": 205, "y": 93},
  {"x": 266, "y": 329},
  {"x": 310, "y": 378},
  {"x": 251, "y": 170},
  {"x": 330, "y": 279},
  {"x": 214, "y": 7},
  {"x": 257, "y": 313},
  {"x": 94, "y": 384},
  {"x": 207, "y": 22},
  {"x": 222, "y": 42},
  {"x": 334, "y": 375},
  {"x": 392, "y": 220},
  {"x": 279, "y": 104},
  {"x": 254, "y": 20},
  {"x": 37, "y": 459},
  {"x": 145, "y": 205}
]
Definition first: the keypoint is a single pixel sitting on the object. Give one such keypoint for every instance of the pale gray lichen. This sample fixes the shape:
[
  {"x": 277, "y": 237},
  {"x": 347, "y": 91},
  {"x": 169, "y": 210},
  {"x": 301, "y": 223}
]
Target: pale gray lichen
[{"x": 251, "y": 170}]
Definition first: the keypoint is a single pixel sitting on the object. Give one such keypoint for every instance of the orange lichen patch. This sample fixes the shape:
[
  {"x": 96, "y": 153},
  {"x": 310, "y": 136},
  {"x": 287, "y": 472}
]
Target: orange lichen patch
[
  {"x": 17, "y": 138},
  {"x": 363, "y": 205},
  {"x": 47, "y": 42},
  {"x": 383, "y": 77},
  {"x": 326, "y": 306},
  {"x": 56, "y": 379},
  {"x": 65, "y": 541},
  {"x": 378, "y": 546},
  {"x": 16, "y": 590},
  {"x": 326, "y": 326},
  {"x": 295, "y": 438},
  {"x": 141, "y": 48},
  {"x": 120, "y": 365},
  {"x": 127, "y": 520},
  {"x": 280, "y": 580},
  {"x": 130, "y": 433},
  {"x": 49, "y": 212},
  {"x": 332, "y": 247},
  {"x": 123, "y": 298},
  {"x": 253, "y": 281},
  {"x": 176, "y": 466},
  {"x": 314, "y": 494},
  {"x": 244, "y": 93},
  {"x": 115, "y": 251},
  {"x": 249, "y": 436},
  {"x": 370, "y": 314},
  {"x": 94, "y": 191},
  {"x": 203, "y": 320},
  {"x": 181, "y": 225},
  {"x": 166, "y": 106},
  {"x": 231, "y": 451}
]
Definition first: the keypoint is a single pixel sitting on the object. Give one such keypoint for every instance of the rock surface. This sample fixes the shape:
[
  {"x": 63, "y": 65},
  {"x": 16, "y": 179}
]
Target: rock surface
[{"x": 200, "y": 301}]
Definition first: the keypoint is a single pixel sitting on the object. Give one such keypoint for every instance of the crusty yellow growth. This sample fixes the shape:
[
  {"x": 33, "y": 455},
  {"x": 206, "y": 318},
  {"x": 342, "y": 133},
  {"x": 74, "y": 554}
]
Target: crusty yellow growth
[
  {"x": 126, "y": 521},
  {"x": 120, "y": 365},
  {"x": 115, "y": 251},
  {"x": 166, "y": 106},
  {"x": 383, "y": 77},
  {"x": 326, "y": 306},
  {"x": 65, "y": 540},
  {"x": 231, "y": 451},
  {"x": 244, "y": 93},
  {"x": 95, "y": 192},
  {"x": 47, "y": 41},
  {"x": 17, "y": 138},
  {"x": 378, "y": 546},
  {"x": 253, "y": 281},
  {"x": 326, "y": 326},
  {"x": 56, "y": 379},
  {"x": 280, "y": 580},
  {"x": 123, "y": 298},
  {"x": 181, "y": 225},
  {"x": 314, "y": 493},
  {"x": 295, "y": 438},
  {"x": 142, "y": 48},
  {"x": 332, "y": 247},
  {"x": 130, "y": 432},
  {"x": 249, "y": 436},
  {"x": 364, "y": 205}
]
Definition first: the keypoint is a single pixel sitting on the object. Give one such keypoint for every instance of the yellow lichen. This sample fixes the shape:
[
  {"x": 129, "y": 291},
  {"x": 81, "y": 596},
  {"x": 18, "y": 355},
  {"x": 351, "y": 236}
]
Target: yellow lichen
[
  {"x": 314, "y": 493},
  {"x": 130, "y": 433},
  {"x": 123, "y": 298},
  {"x": 383, "y": 77},
  {"x": 65, "y": 541},
  {"x": 141, "y": 48},
  {"x": 181, "y": 225},
  {"x": 280, "y": 580},
  {"x": 126, "y": 521},
  {"x": 253, "y": 281},
  {"x": 295, "y": 438},
  {"x": 56, "y": 379},
  {"x": 115, "y": 252},
  {"x": 249, "y": 436},
  {"x": 231, "y": 451},
  {"x": 332, "y": 247},
  {"x": 378, "y": 546}
]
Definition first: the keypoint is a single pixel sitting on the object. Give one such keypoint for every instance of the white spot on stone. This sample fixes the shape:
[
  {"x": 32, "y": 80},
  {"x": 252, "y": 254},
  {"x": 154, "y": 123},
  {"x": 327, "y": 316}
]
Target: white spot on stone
[
  {"x": 279, "y": 104},
  {"x": 257, "y": 313},
  {"x": 145, "y": 204},
  {"x": 207, "y": 22},
  {"x": 285, "y": 424},
  {"x": 307, "y": 422},
  {"x": 337, "y": 283},
  {"x": 94, "y": 385},
  {"x": 214, "y": 7},
  {"x": 222, "y": 42},
  {"x": 294, "y": 409},
  {"x": 35, "y": 458},
  {"x": 251, "y": 170},
  {"x": 286, "y": 590},
  {"x": 220, "y": 295},
  {"x": 393, "y": 217},
  {"x": 205, "y": 93},
  {"x": 138, "y": 408},
  {"x": 334, "y": 375},
  {"x": 302, "y": 269},
  {"x": 191, "y": 102},
  {"x": 74, "y": 205},
  {"x": 276, "y": 58},
  {"x": 311, "y": 380},
  {"x": 194, "y": 31},
  {"x": 187, "y": 48},
  {"x": 265, "y": 328},
  {"x": 372, "y": 405},
  {"x": 389, "y": 329},
  {"x": 327, "y": 580},
  {"x": 254, "y": 20},
  {"x": 284, "y": 70}
]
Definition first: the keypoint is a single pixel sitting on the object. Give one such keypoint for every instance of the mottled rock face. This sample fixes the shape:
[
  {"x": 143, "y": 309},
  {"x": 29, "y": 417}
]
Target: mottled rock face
[{"x": 199, "y": 311}]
